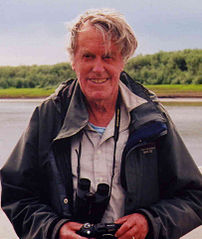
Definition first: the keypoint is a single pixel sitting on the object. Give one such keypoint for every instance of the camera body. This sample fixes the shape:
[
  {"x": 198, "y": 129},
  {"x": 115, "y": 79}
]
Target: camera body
[{"x": 99, "y": 231}]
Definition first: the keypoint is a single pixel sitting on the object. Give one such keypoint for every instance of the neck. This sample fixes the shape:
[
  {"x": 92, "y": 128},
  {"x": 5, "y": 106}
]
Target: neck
[{"x": 101, "y": 112}]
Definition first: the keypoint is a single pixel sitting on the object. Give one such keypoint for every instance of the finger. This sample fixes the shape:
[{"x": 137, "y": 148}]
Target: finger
[
  {"x": 138, "y": 232},
  {"x": 74, "y": 225},
  {"x": 124, "y": 229},
  {"x": 71, "y": 235},
  {"x": 133, "y": 224},
  {"x": 121, "y": 220},
  {"x": 131, "y": 234},
  {"x": 69, "y": 229}
]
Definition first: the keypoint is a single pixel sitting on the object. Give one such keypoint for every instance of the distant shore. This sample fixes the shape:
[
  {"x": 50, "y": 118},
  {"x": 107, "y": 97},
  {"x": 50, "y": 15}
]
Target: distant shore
[
  {"x": 170, "y": 101},
  {"x": 162, "y": 91},
  {"x": 176, "y": 91}
]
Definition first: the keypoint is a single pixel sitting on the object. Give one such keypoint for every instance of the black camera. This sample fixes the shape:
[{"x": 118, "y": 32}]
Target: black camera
[
  {"x": 90, "y": 207},
  {"x": 99, "y": 231}
]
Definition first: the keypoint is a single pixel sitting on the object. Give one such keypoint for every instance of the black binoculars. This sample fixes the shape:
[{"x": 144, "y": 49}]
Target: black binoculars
[{"x": 90, "y": 207}]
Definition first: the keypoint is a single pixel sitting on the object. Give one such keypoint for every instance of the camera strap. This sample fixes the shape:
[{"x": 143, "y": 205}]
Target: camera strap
[{"x": 116, "y": 137}]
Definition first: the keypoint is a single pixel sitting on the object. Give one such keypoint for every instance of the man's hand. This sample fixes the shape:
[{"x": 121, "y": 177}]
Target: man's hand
[
  {"x": 134, "y": 226},
  {"x": 69, "y": 229}
]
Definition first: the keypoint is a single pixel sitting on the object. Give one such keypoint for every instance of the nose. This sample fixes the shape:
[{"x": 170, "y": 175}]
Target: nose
[{"x": 98, "y": 66}]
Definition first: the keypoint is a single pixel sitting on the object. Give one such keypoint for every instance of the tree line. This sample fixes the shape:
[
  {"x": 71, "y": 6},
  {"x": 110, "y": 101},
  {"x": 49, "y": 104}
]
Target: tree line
[{"x": 178, "y": 67}]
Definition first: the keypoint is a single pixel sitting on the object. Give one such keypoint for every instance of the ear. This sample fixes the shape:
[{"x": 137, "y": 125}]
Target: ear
[
  {"x": 122, "y": 66},
  {"x": 73, "y": 66}
]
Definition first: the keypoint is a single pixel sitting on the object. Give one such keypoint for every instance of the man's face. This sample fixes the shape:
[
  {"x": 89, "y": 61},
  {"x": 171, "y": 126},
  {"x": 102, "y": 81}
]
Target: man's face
[{"x": 98, "y": 64}]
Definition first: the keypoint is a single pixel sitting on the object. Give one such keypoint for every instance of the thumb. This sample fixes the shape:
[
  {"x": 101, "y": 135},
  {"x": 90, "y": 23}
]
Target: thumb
[{"x": 121, "y": 220}]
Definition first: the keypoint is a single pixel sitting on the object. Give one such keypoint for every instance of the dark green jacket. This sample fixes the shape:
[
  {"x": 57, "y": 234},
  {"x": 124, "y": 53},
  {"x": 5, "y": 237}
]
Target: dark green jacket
[{"x": 158, "y": 174}]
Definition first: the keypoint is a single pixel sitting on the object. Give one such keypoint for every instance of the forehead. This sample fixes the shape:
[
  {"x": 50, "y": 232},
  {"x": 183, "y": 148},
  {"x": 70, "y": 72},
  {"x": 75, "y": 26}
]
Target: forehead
[{"x": 91, "y": 38}]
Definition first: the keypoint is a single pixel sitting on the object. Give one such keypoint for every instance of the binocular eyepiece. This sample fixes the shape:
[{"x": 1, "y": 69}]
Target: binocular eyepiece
[{"x": 90, "y": 207}]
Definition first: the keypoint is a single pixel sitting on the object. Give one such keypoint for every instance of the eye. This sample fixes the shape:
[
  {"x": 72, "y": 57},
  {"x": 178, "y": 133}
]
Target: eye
[
  {"x": 107, "y": 56},
  {"x": 87, "y": 56}
]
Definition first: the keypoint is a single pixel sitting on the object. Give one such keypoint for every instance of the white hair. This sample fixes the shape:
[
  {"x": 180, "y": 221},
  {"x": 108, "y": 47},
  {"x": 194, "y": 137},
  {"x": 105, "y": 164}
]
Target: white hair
[{"x": 107, "y": 21}]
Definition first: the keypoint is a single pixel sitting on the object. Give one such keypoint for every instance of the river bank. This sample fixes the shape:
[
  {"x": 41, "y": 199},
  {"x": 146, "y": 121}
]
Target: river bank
[
  {"x": 165, "y": 101},
  {"x": 162, "y": 91}
]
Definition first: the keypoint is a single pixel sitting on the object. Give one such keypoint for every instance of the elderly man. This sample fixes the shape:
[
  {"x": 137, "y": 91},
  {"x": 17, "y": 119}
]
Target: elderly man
[{"x": 106, "y": 136}]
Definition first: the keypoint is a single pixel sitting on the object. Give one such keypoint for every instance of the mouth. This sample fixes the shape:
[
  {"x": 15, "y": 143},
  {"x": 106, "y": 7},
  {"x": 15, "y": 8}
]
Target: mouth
[{"x": 98, "y": 81}]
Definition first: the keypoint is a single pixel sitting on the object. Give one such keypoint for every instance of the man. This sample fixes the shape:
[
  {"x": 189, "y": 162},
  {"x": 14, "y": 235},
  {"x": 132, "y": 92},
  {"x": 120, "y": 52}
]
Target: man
[{"x": 103, "y": 128}]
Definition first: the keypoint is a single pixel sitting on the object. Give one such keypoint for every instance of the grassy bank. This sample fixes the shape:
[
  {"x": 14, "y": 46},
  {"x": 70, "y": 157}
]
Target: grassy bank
[
  {"x": 182, "y": 103},
  {"x": 177, "y": 90},
  {"x": 160, "y": 90},
  {"x": 25, "y": 92}
]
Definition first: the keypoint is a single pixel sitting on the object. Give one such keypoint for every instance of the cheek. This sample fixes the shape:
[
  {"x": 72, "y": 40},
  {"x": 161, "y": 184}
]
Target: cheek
[
  {"x": 116, "y": 71},
  {"x": 82, "y": 69},
  {"x": 78, "y": 72}
]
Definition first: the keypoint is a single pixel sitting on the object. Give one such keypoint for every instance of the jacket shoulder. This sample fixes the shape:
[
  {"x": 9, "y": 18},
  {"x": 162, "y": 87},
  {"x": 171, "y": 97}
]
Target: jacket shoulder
[
  {"x": 137, "y": 88},
  {"x": 60, "y": 98}
]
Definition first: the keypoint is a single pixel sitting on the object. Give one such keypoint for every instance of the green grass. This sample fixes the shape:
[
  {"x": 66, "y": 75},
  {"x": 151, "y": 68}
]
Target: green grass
[
  {"x": 25, "y": 93},
  {"x": 182, "y": 103},
  {"x": 176, "y": 87},
  {"x": 160, "y": 90},
  {"x": 176, "y": 90}
]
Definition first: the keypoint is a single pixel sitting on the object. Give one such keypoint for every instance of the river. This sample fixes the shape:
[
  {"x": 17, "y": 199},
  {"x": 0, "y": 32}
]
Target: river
[{"x": 15, "y": 114}]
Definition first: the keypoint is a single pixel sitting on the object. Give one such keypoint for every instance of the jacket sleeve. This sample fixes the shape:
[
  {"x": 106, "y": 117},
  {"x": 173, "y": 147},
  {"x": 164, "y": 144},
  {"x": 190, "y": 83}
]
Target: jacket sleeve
[
  {"x": 179, "y": 209},
  {"x": 21, "y": 200}
]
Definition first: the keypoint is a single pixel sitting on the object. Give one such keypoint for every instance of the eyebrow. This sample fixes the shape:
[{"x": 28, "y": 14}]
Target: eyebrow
[{"x": 110, "y": 53}]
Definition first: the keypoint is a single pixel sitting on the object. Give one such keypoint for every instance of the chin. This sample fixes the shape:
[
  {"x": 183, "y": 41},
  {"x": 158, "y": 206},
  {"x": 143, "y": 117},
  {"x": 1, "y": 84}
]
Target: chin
[{"x": 98, "y": 98}]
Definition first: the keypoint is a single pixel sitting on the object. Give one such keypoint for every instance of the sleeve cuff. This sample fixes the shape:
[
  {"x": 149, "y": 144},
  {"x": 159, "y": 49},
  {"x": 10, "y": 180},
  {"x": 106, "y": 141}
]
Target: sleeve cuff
[
  {"x": 154, "y": 224},
  {"x": 58, "y": 225}
]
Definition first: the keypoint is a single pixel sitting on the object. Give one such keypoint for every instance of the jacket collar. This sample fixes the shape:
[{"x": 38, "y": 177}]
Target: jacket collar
[
  {"x": 135, "y": 97},
  {"x": 146, "y": 113},
  {"x": 76, "y": 117},
  {"x": 130, "y": 100}
]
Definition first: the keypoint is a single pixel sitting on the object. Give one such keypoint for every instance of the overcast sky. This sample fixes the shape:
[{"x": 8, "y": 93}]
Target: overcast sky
[{"x": 34, "y": 31}]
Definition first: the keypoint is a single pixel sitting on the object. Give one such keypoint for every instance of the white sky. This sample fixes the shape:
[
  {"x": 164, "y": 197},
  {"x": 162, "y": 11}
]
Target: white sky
[{"x": 34, "y": 31}]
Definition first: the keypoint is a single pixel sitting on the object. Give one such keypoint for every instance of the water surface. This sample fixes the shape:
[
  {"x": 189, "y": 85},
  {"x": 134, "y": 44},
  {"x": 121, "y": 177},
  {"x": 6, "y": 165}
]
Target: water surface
[{"x": 15, "y": 114}]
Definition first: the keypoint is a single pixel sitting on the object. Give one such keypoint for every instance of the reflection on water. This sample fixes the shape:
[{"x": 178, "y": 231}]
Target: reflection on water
[
  {"x": 188, "y": 121},
  {"x": 14, "y": 116}
]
